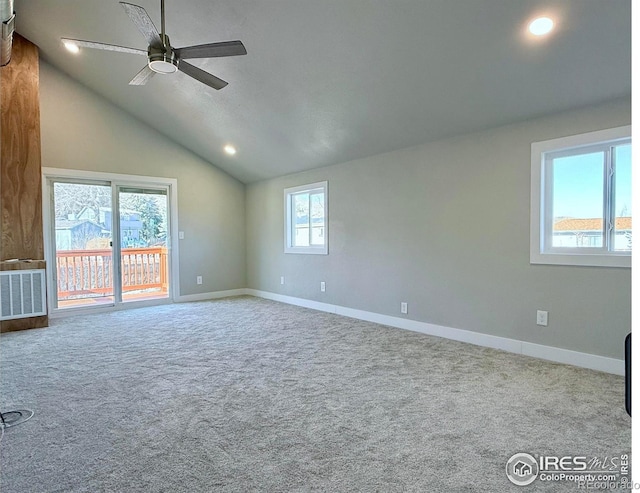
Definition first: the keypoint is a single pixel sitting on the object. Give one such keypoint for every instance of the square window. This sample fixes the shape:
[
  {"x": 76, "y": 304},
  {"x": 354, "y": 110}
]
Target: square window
[
  {"x": 581, "y": 199},
  {"x": 306, "y": 219}
]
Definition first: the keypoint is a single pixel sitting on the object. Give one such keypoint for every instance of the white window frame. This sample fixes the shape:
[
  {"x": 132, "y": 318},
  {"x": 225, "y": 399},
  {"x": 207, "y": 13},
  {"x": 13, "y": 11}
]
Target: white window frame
[
  {"x": 540, "y": 250},
  {"x": 289, "y": 216}
]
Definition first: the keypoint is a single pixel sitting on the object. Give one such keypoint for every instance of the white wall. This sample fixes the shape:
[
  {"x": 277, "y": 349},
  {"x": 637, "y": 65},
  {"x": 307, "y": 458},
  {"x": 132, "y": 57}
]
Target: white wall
[
  {"x": 445, "y": 227},
  {"x": 81, "y": 130}
]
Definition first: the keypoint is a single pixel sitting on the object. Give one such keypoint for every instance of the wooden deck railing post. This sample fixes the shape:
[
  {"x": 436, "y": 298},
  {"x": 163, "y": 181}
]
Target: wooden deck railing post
[{"x": 164, "y": 277}]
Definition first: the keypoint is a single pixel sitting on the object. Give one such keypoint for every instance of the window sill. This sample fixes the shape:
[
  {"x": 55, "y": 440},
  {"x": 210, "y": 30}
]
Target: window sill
[
  {"x": 307, "y": 250},
  {"x": 584, "y": 260}
]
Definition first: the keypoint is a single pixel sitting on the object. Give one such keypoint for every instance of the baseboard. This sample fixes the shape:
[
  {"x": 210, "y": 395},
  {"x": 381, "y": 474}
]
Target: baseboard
[
  {"x": 210, "y": 296},
  {"x": 575, "y": 358},
  {"x": 549, "y": 353},
  {"x": 291, "y": 300}
]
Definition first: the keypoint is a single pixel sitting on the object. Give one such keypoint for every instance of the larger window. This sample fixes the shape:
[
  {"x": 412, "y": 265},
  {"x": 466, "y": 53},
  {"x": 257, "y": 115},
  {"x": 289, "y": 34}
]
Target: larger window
[
  {"x": 581, "y": 199},
  {"x": 306, "y": 219}
]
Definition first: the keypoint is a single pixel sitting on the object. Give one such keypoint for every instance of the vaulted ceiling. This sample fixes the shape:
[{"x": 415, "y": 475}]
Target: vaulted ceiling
[{"x": 329, "y": 81}]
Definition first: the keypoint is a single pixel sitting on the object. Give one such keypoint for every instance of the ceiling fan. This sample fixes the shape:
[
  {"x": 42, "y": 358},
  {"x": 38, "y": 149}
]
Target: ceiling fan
[{"x": 162, "y": 58}]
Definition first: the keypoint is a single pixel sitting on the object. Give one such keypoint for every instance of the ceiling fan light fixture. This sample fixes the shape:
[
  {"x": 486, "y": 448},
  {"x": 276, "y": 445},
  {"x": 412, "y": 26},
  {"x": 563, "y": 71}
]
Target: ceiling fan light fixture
[{"x": 163, "y": 63}]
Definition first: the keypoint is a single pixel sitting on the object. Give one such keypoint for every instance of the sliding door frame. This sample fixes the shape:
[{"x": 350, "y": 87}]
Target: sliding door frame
[{"x": 116, "y": 180}]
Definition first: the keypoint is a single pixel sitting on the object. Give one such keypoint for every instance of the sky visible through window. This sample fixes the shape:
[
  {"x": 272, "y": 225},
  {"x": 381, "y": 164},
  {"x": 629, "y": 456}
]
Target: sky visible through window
[{"x": 578, "y": 184}]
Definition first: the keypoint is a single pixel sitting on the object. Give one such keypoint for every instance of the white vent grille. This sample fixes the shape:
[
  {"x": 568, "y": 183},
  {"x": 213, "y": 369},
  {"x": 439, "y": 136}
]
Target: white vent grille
[{"x": 22, "y": 294}]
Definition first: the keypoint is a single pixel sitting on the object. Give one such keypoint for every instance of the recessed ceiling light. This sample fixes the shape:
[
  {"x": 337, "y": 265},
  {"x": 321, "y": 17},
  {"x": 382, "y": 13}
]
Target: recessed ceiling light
[
  {"x": 72, "y": 47},
  {"x": 541, "y": 26},
  {"x": 229, "y": 149}
]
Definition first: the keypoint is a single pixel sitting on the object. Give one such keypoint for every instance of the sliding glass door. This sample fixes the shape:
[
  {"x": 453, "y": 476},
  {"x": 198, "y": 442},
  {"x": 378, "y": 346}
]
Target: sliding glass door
[
  {"x": 82, "y": 244},
  {"x": 110, "y": 243},
  {"x": 144, "y": 267}
]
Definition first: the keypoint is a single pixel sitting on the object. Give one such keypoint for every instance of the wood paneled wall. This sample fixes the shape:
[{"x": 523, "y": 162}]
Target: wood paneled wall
[
  {"x": 20, "y": 163},
  {"x": 20, "y": 168}
]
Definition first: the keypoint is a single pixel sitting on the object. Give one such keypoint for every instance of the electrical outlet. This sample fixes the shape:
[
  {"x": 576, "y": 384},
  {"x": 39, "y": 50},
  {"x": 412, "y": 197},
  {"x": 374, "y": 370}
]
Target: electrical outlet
[
  {"x": 404, "y": 308},
  {"x": 181, "y": 235},
  {"x": 199, "y": 280},
  {"x": 542, "y": 318},
  {"x": 281, "y": 279},
  {"x": 323, "y": 286}
]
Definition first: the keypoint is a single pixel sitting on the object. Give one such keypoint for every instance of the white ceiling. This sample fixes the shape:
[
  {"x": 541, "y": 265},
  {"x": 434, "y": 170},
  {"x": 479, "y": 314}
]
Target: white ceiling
[{"x": 329, "y": 81}]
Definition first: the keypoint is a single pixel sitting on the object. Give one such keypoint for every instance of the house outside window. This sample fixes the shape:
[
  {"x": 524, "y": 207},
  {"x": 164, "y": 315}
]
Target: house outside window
[
  {"x": 581, "y": 199},
  {"x": 306, "y": 219}
]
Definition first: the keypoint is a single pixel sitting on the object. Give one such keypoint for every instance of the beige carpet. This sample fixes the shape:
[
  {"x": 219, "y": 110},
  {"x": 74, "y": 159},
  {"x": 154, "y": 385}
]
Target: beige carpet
[{"x": 244, "y": 394}]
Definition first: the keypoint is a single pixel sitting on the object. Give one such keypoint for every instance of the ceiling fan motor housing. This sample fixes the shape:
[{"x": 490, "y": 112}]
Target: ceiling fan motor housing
[{"x": 163, "y": 61}]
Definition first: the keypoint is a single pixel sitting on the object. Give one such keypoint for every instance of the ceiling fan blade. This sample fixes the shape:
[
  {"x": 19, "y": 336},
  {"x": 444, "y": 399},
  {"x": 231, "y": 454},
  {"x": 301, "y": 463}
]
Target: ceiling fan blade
[
  {"x": 201, "y": 75},
  {"x": 211, "y": 50},
  {"x": 103, "y": 46},
  {"x": 143, "y": 22},
  {"x": 142, "y": 77}
]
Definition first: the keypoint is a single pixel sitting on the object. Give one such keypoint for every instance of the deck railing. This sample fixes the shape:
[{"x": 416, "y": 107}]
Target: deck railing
[{"x": 89, "y": 272}]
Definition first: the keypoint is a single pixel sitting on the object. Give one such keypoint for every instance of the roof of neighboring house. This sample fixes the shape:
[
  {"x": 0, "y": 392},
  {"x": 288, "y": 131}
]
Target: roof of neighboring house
[
  {"x": 592, "y": 224},
  {"x": 122, "y": 211},
  {"x": 73, "y": 223},
  {"x": 85, "y": 210}
]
